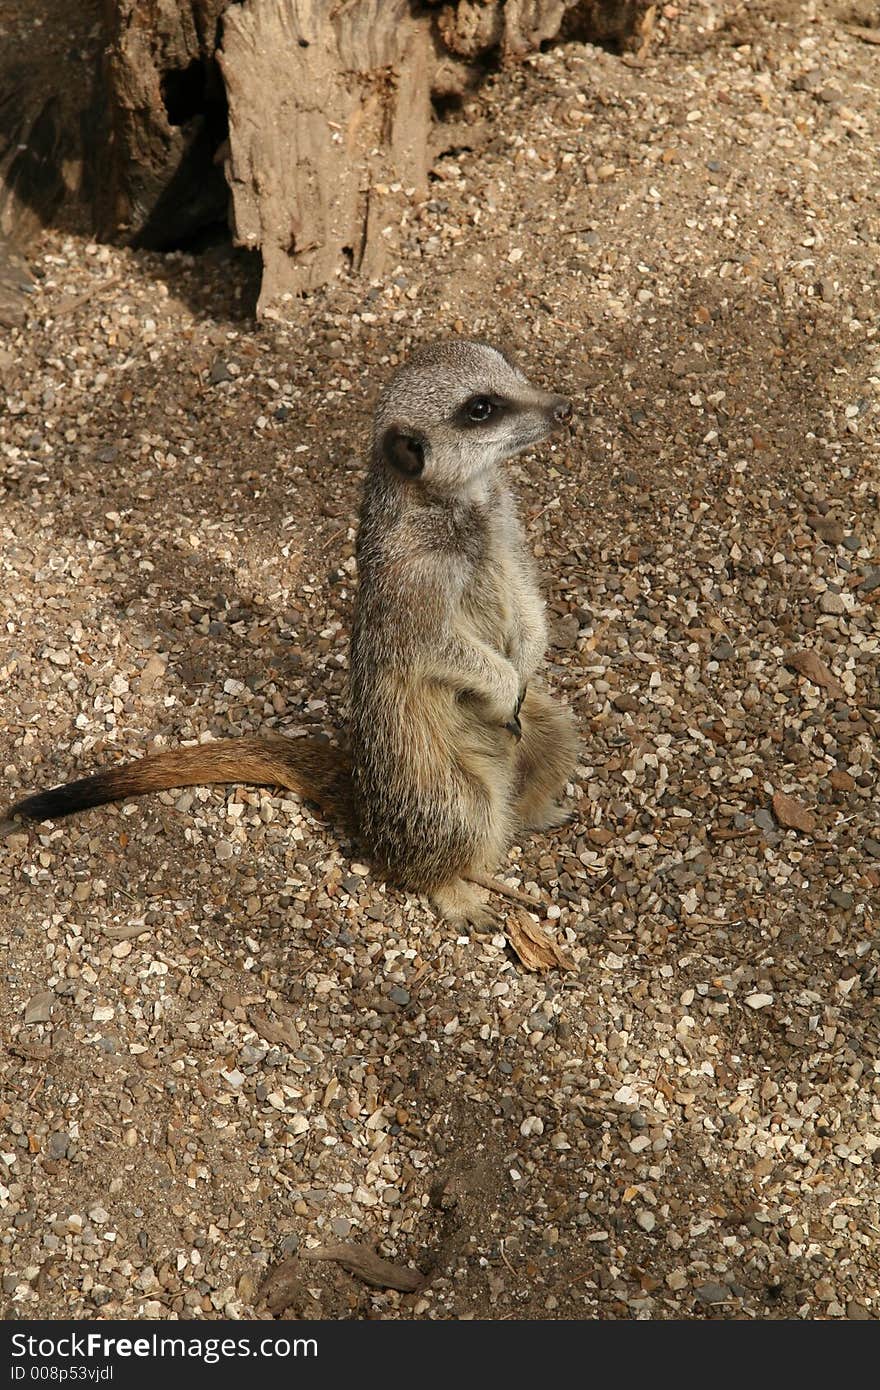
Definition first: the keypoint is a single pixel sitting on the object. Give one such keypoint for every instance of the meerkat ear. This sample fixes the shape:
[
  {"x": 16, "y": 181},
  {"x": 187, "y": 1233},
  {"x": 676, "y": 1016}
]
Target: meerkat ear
[{"x": 404, "y": 452}]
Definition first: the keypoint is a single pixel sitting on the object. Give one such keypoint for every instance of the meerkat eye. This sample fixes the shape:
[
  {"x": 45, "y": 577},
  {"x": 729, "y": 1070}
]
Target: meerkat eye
[{"x": 479, "y": 408}]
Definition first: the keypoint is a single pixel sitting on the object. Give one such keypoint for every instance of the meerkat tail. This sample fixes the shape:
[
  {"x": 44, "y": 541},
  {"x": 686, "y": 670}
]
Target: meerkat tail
[{"x": 314, "y": 770}]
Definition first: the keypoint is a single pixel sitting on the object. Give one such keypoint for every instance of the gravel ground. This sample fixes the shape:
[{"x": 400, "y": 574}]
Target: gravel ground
[{"x": 223, "y": 1040}]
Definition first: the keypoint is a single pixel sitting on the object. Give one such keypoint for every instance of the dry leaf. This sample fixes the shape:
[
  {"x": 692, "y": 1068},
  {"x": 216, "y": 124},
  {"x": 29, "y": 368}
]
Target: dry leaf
[
  {"x": 38, "y": 1008},
  {"x": 535, "y": 948},
  {"x": 31, "y": 1052},
  {"x": 127, "y": 933},
  {"x": 807, "y": 663},
  {"x": 367, "y": 1265},
  {"x": 282, "y": 1286},
  {"x": 283, "y": 1033},
  {"x": 793, "y": 814}
]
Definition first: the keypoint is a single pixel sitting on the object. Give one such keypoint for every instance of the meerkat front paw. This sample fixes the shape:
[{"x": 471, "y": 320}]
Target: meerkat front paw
[
  {"x": 505, "y": 694},
  {"x": 550, "y": 817},
  {"x": 462, "y": 905},
  {"x": 513, "y": 726}
]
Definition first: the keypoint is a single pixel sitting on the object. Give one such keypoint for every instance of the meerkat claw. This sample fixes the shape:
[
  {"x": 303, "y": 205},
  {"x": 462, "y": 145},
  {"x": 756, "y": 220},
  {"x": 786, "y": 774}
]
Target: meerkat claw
[{"x": 461, "y": 904}]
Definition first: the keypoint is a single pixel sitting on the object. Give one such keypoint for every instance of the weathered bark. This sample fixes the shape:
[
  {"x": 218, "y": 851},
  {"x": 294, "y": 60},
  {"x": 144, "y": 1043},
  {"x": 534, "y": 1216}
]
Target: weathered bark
[
  {"x": 330, "y": 116},
  {"x": 625, "y": 23},
  {"x": 307, "y": 124},
  {"x": 46, "y": 84},
  {"x": 165, "y": 119},
  {"x": 471, "y": 28},
  {"x": 312, "y": 186},
  {"x": 32, "y": 150}
]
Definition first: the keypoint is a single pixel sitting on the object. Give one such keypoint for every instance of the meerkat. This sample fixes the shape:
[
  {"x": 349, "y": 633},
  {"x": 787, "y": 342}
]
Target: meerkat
[{"x": 453, "y": 748}]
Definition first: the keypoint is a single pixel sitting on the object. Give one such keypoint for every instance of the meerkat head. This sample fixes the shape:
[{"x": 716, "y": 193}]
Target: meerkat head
[{"x": 455, "y": 410}]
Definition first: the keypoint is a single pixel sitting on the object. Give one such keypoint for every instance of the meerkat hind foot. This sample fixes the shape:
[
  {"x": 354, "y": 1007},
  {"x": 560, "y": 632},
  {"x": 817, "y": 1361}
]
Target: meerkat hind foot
[
  {"x": 462, "y": 904},
  {"x": 548, "y": 817}
]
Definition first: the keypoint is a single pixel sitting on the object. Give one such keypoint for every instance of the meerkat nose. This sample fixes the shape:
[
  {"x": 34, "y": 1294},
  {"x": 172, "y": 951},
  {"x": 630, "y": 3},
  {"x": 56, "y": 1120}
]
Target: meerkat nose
[{"x": 561, "y": 411}]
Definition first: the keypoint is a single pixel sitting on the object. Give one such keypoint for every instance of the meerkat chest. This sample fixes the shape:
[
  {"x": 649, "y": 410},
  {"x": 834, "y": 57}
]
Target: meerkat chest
[
  {"x": 489, "y": 605},
  {"x": 499, "y": 600}
]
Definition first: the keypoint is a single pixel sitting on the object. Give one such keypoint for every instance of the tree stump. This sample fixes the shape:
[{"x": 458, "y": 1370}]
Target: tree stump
[
  {"x": 165, "y": 118},
  {"x": 47, "y": 66},
  {"x": 321, "y": 184},
  {"x": 330, "y": 116},
  {"x": 306, "y": 125}
]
